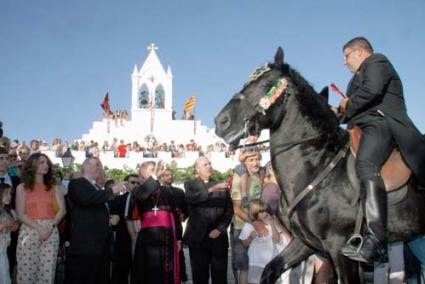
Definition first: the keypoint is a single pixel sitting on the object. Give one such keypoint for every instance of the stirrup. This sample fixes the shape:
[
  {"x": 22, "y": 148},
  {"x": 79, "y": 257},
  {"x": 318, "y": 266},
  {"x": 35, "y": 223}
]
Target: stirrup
[
  {"x": 352, "y": 248},
  {"x": 356, "y": 238}
]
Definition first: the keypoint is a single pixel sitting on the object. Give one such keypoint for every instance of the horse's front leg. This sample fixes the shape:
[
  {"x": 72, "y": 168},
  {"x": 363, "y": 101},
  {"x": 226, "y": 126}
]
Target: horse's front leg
[{"x": 293, "y": 254}]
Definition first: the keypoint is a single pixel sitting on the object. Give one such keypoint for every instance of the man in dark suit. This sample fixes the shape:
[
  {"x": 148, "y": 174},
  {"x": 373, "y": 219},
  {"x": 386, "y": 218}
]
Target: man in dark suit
[
  {"x": 210, "y": 214},
  {"x": 14, "y": 181},
  {"x": 376, "y": 104},
  {"x": 121, "y": 256},
  {"x": 88, "y": 254}
]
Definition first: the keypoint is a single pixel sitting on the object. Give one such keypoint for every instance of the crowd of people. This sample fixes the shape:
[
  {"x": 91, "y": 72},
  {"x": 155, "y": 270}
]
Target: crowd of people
[
  {"x": 132, "y": 231},
  {"x": 120, "y": 148},
  {"x": 118, "y": 117}
]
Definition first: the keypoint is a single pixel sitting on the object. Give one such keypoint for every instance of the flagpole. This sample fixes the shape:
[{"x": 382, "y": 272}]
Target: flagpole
[
  {"x": 194, "y": 120},
  {"x": 151, "y": 107},
  {"x": 153, "y": 119},
  {"x": 108, "y": 122}
]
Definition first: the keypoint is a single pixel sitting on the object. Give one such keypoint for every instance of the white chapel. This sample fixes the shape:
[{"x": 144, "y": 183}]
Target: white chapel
[{"x": 151, "y": 114}]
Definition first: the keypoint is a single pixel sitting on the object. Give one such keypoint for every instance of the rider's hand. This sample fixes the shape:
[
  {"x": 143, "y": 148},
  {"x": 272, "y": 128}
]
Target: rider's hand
[
  {"x": 343, "y": 104},
  {"x": 335, "y": 109}
]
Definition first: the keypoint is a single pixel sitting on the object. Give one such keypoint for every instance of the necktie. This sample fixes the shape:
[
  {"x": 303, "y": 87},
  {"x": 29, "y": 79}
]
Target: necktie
[{"x": 2, "y": 179}]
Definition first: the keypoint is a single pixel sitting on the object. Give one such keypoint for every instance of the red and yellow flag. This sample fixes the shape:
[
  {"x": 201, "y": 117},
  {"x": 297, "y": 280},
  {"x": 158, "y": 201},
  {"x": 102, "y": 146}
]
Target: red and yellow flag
[{"x": 189, "y": 104}]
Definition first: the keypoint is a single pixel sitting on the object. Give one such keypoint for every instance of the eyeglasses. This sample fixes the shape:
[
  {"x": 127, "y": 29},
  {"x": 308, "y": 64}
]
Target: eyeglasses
[
  {"x": 13, "y": 156},
  {"x": 135, "y": 182},
  {"x": 346, "y": 55}
]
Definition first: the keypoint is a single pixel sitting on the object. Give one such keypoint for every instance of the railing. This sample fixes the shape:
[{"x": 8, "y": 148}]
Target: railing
[{"x": 218, "y": 159}]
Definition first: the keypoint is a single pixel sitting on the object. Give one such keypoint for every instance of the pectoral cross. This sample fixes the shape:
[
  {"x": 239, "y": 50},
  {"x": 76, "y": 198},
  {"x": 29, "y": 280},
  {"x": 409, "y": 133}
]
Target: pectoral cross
[{"x": 155, "y": 209}]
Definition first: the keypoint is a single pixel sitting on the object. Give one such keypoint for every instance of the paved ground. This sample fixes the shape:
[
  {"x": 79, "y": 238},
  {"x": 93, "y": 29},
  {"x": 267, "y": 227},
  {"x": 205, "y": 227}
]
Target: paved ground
[{"x": 230, "y": 279}]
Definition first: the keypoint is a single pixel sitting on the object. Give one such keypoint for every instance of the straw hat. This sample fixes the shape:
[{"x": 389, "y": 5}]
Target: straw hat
[{"x": 246, "y": 154}]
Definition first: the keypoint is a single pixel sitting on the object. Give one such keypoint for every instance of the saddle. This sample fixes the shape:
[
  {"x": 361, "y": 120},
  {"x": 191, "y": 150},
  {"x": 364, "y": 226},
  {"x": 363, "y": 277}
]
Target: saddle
[{"x": 394, "y": 172}]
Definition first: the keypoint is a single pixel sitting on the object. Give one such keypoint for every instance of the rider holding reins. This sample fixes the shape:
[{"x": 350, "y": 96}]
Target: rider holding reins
[{"x": 375, "y": 103}]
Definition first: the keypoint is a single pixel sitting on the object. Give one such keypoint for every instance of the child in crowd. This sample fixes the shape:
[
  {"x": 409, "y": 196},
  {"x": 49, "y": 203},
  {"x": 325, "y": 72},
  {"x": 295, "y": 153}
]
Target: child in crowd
[
  {"x": 271, "y": 193},
  {"x": 262, "y": 249},
  {"x": 6, "y": 223}
]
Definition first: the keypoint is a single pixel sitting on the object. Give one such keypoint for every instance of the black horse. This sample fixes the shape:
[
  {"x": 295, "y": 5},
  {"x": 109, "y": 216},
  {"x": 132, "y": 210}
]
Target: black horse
[{"x": 309, "y": 154}]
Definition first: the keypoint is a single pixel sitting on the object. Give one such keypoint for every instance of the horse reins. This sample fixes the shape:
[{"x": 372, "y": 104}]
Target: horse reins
[
  {"x": 286, "y": 146},
  {"x": 309, "y": 188},
  {"x": 251, "y": 144}
]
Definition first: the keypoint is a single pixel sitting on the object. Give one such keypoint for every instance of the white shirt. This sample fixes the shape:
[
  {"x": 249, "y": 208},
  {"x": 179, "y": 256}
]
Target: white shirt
[
  {"x": 262, "y": 249},
  {"x": 7, "y": 179}
]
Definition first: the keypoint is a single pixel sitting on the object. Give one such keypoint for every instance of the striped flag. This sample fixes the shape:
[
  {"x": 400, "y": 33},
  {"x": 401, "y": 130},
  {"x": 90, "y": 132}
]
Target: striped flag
[{"x": 190, "y": 103}]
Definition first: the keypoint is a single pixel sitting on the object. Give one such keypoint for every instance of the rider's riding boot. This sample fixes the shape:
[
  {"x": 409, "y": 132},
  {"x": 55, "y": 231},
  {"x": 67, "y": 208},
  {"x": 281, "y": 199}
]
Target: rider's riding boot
[{"x": 373, "y": 247}]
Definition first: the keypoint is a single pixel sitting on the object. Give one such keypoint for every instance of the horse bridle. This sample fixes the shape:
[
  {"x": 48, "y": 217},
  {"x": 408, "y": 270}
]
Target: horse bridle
[{"x": 257, "y": 109}]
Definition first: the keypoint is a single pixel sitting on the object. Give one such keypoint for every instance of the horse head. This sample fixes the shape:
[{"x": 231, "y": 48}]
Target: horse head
[{"x": 272, "y": 91}]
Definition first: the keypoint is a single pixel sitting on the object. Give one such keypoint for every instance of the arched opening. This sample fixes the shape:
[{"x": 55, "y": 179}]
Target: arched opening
[
  {"x": 143, "y": 99},
  {"x": 159, "y": 97}
]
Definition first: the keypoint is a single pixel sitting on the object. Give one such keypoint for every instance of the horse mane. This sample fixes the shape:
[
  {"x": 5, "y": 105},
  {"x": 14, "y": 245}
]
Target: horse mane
[{"x": 315, "y": 109}]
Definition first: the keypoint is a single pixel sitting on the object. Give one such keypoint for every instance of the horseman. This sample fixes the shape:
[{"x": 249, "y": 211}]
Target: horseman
[{"x": 376, "y": 104}]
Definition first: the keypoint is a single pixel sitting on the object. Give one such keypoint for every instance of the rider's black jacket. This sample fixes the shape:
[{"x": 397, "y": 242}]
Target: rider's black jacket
[{"x": 376, "y": 88}]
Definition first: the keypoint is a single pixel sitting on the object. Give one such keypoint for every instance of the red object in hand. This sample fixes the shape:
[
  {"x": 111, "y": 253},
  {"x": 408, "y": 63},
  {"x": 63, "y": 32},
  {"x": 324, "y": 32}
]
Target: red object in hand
[
  {"x": 229, "y": 182},
  {"x": 337, "y": 90}
]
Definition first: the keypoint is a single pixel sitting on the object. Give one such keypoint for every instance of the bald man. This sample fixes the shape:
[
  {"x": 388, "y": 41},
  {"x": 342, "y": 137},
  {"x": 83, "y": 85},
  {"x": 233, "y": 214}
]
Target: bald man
[
  {"x": 88, "y": 255},
  {"x": 210, "y": 213}
]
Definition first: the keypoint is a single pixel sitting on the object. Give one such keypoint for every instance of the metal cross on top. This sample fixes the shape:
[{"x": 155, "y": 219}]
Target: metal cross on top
[{"x": 152, "y": 46}]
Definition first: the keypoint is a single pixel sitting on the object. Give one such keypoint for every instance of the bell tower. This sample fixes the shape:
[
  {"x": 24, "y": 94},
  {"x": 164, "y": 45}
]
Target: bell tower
[{"x": 151, "y": 88}]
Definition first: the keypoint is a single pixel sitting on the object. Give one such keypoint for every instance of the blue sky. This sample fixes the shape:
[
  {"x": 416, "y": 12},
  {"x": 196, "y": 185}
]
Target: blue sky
[{"x": 58, "y": 58}]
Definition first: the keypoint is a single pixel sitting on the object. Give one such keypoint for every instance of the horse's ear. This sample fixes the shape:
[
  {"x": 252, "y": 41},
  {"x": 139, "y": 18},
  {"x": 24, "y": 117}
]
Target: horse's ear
[
  {"x": 278, "y": 58},
  {"x": 324, "y": 94}
]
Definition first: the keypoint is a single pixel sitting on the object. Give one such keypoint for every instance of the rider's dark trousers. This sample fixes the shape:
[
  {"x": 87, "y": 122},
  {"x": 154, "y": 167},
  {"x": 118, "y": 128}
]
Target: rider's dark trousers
[{"x": 375, "y": 146}]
